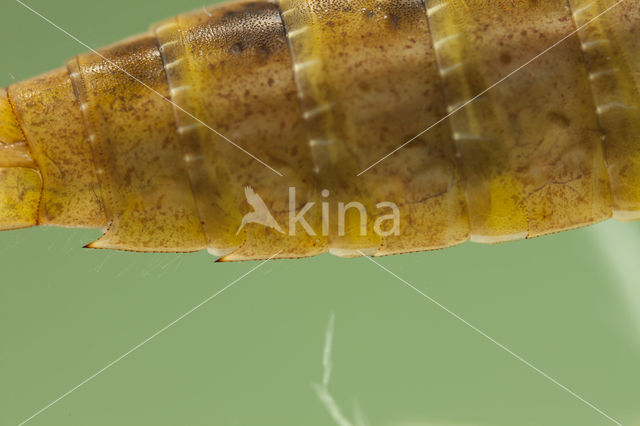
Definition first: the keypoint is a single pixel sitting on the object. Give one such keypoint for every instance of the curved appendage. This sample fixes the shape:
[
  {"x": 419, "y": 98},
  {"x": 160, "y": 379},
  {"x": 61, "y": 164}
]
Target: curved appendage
[
  {"x": 20, "y": 183},
  {"x": 47, "y": 110}
]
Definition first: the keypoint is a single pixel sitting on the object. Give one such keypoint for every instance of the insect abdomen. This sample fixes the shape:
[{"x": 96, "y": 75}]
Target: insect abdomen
[{"x": 319, "y": 91}]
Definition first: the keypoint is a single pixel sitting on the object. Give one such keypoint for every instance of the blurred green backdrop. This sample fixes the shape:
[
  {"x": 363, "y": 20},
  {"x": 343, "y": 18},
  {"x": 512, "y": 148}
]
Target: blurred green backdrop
[{"x": 568, "y": 303}]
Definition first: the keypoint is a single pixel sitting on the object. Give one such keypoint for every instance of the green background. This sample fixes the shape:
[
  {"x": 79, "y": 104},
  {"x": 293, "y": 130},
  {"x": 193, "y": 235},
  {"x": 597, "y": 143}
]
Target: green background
[{"x": 568, "y": 303}]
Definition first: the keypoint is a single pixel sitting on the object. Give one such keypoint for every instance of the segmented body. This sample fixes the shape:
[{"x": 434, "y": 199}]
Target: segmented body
[{"x": 143, "y": 138}]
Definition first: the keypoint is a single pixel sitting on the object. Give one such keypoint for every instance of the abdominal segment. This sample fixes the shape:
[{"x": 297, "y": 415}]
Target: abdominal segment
[{"x": 356, "y": 127}]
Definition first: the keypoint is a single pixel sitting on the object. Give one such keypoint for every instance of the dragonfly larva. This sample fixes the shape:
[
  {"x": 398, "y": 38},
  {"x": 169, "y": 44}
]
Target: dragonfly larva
[{"x": 244, "y": 128}]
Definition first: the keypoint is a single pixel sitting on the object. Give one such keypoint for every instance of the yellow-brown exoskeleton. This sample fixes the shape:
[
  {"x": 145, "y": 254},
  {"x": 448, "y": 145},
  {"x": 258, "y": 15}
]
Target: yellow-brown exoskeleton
[{"x": 245, "y": 128}]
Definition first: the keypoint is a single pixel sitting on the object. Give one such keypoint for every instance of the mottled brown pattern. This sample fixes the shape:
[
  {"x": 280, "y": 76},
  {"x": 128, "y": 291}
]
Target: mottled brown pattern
[
  {"x": 526, "y": 172},
  {"x": 49, "y": 114},
  {"x": 320, "y": 90},
  {"x": 20, "y": 182},
  {"x": 379, "y": 74},
  {"x": 136, "y": 149},
  {"x": 237, "y": 78},
  {"x": 609, "y": 45}
]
